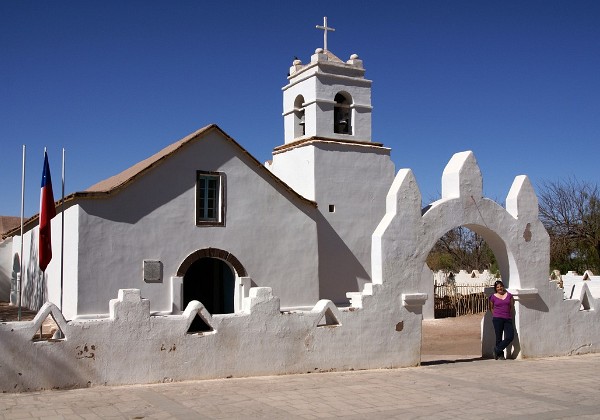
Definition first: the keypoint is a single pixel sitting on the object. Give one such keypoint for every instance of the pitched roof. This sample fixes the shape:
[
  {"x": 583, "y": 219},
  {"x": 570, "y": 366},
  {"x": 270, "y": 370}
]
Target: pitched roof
[
  {"x": 121, "y": 179},
  {"x": 112, "y": 185},
  {"x": 8, "y": 223}
]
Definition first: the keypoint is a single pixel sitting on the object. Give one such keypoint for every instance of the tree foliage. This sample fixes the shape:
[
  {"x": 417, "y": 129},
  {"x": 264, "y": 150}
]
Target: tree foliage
[
  {"x": 570, "y": 212},
  {"x": 461, "y": 249}
]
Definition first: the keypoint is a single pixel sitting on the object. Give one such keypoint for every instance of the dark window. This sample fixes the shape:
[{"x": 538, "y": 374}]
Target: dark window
[{"x": 210, "y": 198}]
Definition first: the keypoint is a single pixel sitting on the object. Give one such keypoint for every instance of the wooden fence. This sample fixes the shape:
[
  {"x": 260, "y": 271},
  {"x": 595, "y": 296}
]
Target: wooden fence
[{"x": 452, "y": 300}]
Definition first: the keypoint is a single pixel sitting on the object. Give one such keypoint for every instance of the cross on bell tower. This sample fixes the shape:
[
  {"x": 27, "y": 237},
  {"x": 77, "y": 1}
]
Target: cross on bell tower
[{"x": 325, "y": 29}]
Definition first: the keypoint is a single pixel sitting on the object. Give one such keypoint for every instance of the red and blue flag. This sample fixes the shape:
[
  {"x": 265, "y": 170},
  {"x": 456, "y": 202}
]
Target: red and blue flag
[{"x": 47, "y": 212}]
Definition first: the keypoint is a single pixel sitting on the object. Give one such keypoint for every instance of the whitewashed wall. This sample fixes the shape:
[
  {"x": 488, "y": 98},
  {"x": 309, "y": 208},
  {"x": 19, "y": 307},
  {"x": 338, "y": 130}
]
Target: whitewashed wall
[
  {"x": 573, "y": 284},
  {"x": 381, "y": 328},
  {"x": 354, "y": 179},
  {"x": 39, "y": 287},
  {"x": 131, "y": 346},
  {"x": 7, "y": 273},
  {"x": 268, "y": 229},
  {"x": 271, "y": 231}
]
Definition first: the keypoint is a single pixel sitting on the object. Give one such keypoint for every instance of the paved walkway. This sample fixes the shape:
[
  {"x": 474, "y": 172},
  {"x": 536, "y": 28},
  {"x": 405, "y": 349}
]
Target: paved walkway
[{"x": 550, "y": 388}]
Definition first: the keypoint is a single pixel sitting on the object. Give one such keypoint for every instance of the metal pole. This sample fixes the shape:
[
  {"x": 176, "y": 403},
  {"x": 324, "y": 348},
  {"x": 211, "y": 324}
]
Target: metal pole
[
  {"x": 62, "y": 234},
  {"x": 20, "y": 277}
]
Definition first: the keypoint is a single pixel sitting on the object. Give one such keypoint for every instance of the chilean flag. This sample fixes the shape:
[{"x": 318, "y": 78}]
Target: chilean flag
[{"x": 47, "y": 212}]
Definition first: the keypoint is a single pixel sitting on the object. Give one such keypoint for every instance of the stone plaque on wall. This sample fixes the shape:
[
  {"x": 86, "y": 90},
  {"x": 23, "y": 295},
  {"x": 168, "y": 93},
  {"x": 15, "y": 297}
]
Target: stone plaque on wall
[{"x": 152, "y": 271}]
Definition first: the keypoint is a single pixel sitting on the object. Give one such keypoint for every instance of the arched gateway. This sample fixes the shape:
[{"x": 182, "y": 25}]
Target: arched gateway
[
  {"x": 407, "y": 233},
  {"x": 209, "y": 276}
]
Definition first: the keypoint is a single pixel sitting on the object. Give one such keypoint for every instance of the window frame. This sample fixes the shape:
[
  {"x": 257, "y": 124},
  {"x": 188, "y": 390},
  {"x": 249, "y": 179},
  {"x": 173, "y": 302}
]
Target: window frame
[{"x": 220, "y": 198}]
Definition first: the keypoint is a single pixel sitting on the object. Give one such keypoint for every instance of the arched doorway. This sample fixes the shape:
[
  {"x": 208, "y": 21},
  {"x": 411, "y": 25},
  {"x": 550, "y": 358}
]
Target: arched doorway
[
  {"x": 212, "y": 282},
  {"x": 460, "y": 269},
  {"x": 492, "y": 234}
]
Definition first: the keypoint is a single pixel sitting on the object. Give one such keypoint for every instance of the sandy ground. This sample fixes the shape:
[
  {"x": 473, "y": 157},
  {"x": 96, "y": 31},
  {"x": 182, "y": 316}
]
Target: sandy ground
[
  {"x": 458, "y": 337},
  {"x": 451, "y": 340},
  {"x": 452, "y": 336}
]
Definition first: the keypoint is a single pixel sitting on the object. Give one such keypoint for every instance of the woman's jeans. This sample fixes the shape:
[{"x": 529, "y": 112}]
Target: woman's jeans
[{"x": 502, "y": 325}]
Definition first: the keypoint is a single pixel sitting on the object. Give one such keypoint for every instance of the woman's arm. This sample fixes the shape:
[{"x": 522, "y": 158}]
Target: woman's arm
[{"x": 490, "y": 304}]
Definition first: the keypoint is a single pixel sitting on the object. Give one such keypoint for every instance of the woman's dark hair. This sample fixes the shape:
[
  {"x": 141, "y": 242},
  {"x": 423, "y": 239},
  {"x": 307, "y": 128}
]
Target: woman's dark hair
[{"x": 497, "y": 282}]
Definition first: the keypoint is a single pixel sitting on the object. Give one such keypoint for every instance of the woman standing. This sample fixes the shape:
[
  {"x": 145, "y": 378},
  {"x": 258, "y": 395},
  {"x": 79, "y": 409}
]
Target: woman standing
[{"x": 502, "y": 304}]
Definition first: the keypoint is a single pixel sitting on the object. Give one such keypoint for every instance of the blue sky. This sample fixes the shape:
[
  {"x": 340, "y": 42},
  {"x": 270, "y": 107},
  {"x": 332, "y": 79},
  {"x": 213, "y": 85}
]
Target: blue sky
[{"x": 517, "y": 82}]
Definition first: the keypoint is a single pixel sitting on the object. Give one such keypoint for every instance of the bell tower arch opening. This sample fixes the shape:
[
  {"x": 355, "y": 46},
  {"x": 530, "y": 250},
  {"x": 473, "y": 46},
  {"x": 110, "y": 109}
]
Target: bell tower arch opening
[
  {"x": 342, "y": 114},
  {"x": 299, "y": 117}
]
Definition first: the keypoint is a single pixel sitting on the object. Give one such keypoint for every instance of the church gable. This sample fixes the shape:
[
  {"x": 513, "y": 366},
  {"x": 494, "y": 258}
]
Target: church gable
[
  {"x": 204, "y": 169},
  {"x": 117, "y": 182},
  {"x": 204, "y": 192},
  {"x": 145, "y": 170}
]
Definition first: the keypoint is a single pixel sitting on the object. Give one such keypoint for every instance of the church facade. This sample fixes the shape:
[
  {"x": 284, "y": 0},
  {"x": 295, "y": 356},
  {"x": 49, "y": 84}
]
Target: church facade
[{"x": 203, "y": 220}]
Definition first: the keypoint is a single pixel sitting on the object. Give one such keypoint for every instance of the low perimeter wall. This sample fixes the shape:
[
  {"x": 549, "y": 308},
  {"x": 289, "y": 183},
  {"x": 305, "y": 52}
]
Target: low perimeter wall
[{"x": 131, "y": 346}]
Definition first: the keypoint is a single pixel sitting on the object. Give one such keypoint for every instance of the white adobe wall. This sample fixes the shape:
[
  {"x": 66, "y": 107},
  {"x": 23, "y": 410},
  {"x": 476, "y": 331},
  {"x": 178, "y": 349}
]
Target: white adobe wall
[
  {"x": 427, "y": 282},
  {"x": 296, "y": 167},
  {"x": 131, "y": 346},
  {"x": 355, "y": 179},
  {"x": 7, "y": 273},
  {"x": 271, "y": 232},
  {"x": 573, "y": 284},
  {"x": 39, "y": 287}
]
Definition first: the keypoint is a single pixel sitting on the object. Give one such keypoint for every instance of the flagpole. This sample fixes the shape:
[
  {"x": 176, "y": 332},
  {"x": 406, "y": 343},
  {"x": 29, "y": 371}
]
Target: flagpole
[
  {"x": 43, "y": 271},
  {"x": 20, "y": 278},
  {"x": 62, "y": 232}
]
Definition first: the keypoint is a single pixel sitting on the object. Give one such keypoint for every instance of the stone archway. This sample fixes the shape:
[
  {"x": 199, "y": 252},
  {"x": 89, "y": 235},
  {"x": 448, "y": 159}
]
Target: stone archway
[
  {"x": 211, "y": 276},
  {"x": 212, "y": 253},
  {"x": 403, "y": 239}
]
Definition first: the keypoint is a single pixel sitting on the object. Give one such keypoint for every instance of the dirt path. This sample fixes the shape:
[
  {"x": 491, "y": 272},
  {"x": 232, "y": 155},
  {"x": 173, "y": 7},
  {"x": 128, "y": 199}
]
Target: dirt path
[{"x": 452, "y": 336}]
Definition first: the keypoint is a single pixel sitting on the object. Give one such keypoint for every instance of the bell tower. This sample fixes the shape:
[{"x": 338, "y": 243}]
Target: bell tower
[
  {"x": 327, "y": 98},
  {"x": 328, "y": 157}
]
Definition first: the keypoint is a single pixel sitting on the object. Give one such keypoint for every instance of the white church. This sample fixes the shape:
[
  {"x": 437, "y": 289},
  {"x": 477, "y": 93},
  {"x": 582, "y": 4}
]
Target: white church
[
  {"x": 201, "y": 217},
  {"x": 312, "y": 261}
]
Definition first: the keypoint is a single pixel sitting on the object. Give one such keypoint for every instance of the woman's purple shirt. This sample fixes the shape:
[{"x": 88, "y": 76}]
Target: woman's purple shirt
[{"x": 501, "y": 306}]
